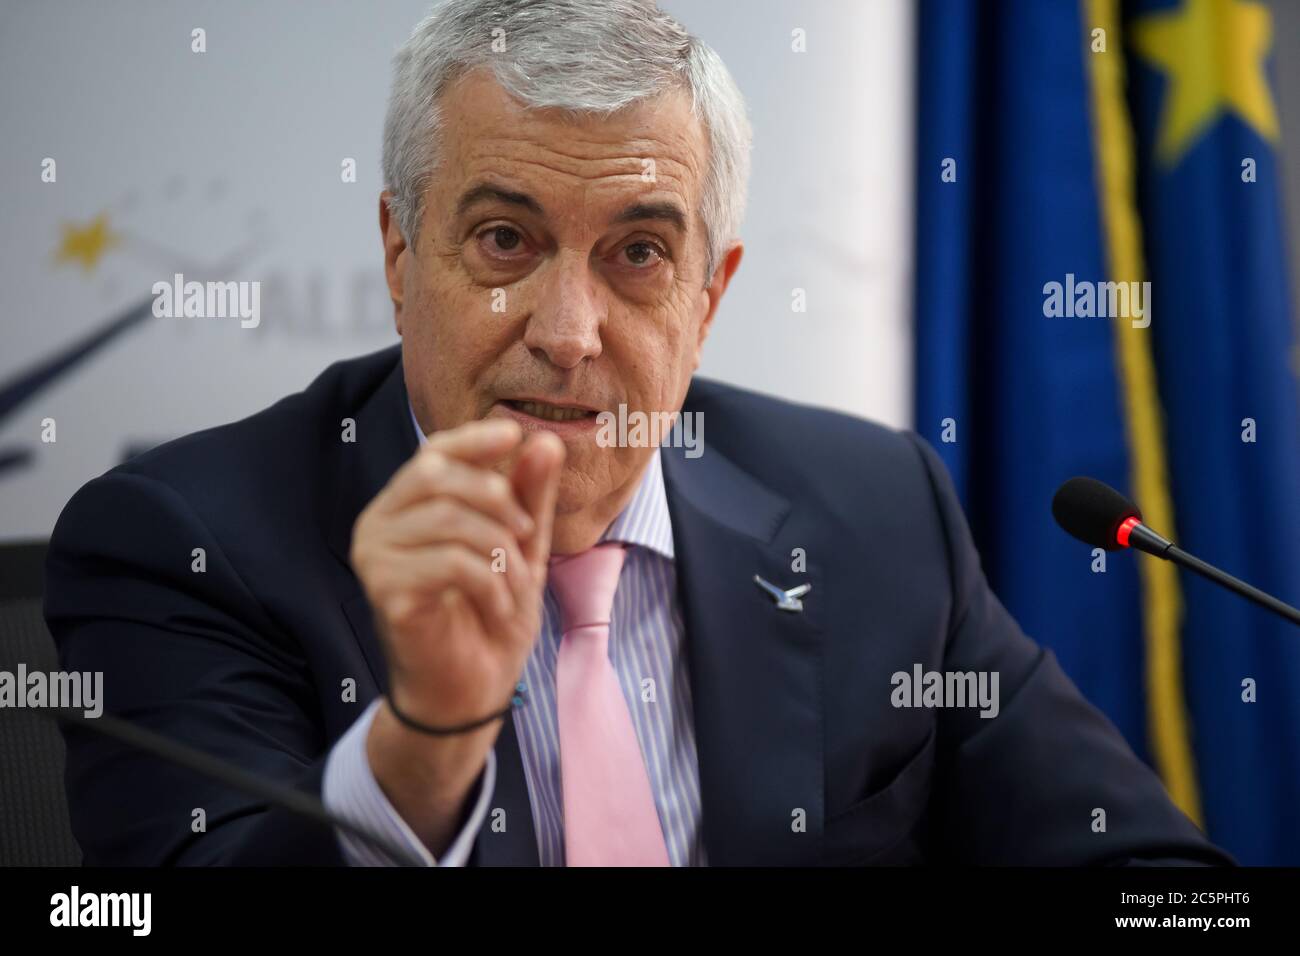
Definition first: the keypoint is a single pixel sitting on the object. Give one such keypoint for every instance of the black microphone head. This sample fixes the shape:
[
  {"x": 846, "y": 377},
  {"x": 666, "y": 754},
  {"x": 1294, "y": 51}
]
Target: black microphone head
[{"x": 1092, "y": 512}]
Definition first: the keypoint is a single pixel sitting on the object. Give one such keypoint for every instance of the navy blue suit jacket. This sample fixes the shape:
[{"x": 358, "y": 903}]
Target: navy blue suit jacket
[{"x": 247, "y": 660}]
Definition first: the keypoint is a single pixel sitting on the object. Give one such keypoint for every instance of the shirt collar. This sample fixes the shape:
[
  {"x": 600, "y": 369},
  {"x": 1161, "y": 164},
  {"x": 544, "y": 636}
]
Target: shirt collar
[{"x": 645, "y": 520}]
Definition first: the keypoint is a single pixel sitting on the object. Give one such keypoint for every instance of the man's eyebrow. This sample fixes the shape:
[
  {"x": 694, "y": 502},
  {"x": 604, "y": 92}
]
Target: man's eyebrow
[
  {"x": 663, "y": 211},
  {"x": 485, "y": 192}
]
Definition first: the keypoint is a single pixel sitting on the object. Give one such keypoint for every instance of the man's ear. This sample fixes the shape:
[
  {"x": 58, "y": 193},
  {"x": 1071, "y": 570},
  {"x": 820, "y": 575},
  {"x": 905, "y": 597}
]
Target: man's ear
[
  {"x": 394, "y": 255},
  {"x": 722, "y": 274}
]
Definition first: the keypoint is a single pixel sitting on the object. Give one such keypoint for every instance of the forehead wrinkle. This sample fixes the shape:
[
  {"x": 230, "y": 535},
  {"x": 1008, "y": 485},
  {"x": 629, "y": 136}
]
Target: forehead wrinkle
[{"x": 530, "y": 152}]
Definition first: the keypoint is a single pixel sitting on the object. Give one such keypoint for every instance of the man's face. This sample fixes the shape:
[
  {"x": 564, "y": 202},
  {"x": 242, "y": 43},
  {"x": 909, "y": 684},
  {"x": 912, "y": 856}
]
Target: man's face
[{"x": 560, "y": 271}]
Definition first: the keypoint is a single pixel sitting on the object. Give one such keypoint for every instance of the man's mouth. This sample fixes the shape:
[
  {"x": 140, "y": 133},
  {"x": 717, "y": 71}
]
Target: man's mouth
[
  {"x": 569, "y": 420},
  {"x": 551, "y": 413}
]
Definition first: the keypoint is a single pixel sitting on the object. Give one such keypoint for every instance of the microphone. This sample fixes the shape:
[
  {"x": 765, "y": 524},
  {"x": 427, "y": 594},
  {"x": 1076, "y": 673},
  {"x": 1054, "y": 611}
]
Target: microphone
[
  {"x": 1098, "y": 515},
  {"x": 237, "y": 778}
]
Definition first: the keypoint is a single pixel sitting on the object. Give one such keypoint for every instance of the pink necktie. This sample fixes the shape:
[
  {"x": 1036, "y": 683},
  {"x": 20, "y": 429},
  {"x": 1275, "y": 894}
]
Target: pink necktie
[{"x": 609, "y": 810}]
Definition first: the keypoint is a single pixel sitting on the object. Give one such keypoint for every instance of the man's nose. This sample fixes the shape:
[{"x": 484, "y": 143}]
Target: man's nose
[{"x": 566, "y": 320}]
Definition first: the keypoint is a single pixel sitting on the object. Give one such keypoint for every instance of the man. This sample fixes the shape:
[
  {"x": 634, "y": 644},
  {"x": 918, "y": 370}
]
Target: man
[{"x": 433, "y": 590}]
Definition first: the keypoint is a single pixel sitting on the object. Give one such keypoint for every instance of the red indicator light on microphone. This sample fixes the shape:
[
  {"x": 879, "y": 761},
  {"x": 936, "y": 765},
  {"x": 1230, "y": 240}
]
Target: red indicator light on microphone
[{"x": 1125, "y": 530}]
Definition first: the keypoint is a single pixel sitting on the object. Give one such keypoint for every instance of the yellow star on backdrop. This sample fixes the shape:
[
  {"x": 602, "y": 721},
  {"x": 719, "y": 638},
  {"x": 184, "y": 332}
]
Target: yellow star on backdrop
[
  {"x": 85, "y": 244},
  {"x": 1213, "y": 53}
]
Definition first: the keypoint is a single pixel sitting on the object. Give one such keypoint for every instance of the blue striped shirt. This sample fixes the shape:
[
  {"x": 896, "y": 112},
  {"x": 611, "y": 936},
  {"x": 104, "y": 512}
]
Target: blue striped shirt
[{"x": 646, "y": 649}]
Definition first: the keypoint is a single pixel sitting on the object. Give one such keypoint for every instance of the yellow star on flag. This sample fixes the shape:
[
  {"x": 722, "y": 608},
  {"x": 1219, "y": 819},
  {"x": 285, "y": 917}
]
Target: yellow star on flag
[
  {"x": 85, "y": 244},
  {"x": 1213, "y": 53}
]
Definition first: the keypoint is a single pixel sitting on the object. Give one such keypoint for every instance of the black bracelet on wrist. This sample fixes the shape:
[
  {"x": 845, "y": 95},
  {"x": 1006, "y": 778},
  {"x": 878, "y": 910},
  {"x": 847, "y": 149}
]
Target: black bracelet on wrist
[{"x": 518, "y": 700}]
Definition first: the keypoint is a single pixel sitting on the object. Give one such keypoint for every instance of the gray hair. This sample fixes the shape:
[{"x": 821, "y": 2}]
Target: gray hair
[{"x": 587, "y": 56}]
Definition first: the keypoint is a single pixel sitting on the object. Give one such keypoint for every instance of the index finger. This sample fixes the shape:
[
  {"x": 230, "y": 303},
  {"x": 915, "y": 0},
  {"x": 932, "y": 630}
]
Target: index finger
[{"x": 536, "y": 480}]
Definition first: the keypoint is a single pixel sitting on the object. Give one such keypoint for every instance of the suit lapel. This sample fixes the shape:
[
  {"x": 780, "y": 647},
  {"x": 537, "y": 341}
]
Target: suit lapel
[
  {"x": 385, "y": 439},
  {"x": 755, "y": 671}
]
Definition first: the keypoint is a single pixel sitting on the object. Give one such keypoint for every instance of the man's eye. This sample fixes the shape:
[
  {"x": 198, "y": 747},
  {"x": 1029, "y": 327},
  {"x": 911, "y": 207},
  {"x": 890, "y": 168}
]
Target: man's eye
[
  {"x": 501, "y": 239},
  {"x": 643, "y": 254}
]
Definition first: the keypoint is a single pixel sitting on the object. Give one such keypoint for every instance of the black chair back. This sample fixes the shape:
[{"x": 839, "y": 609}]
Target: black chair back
[{"x": 34, "y": 827}]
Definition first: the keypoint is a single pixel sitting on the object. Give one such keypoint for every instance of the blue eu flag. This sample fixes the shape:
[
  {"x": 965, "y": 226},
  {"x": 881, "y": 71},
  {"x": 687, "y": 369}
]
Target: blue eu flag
[{"x": 1101, "y": 290}]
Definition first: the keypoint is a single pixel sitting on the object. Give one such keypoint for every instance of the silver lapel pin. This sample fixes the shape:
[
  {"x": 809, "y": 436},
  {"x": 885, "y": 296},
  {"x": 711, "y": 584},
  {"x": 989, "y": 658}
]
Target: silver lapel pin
[{"x": 785, "y": 600}]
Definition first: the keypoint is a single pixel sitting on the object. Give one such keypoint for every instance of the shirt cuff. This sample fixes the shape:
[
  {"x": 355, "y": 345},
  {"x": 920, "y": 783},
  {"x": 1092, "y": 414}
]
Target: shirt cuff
[{"x": 350, "y": 790}]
